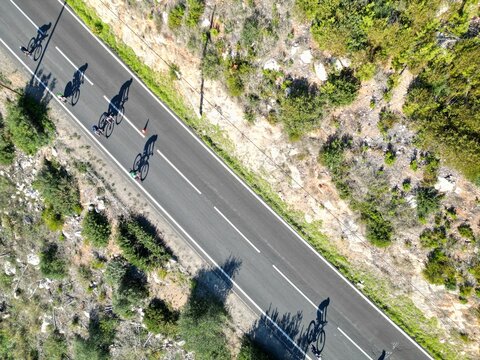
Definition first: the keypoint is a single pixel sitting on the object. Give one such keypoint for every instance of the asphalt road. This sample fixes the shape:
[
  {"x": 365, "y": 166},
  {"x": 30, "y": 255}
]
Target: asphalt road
[{"x": 275, "y": 272}]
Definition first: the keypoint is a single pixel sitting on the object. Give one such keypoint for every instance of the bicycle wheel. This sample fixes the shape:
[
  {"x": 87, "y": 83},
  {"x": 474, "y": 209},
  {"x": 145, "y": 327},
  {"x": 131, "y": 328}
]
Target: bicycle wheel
[
  {"x": 137, "y": 164},
  {"x": 75, "y": 96},
  {"x": 31, "y": 45},
  {"x": 119, "y": 115},
  {"x": 311, "y": 331},
  {"x": 321, "y": 340},
  {"x": 37, "y": 52},
  {"x": 144, "y": 170}
]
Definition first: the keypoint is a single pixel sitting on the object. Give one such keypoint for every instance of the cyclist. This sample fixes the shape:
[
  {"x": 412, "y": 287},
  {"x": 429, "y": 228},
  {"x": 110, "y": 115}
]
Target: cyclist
[
  {"x": 135, "y": 174},
  {"x": 26, "y": 51},
  {"x": 96, "y": 130},
  {"x": 109, "y": 119},
  {"x": 62, "y": 98}
]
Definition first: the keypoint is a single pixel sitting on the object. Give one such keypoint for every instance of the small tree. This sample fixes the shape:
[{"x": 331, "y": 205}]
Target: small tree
[
  {"x": 96, "y": 228},
  {"x": 28, "y": 123},
  {"x": 160, "y": 318},
  {"x": 55, "y": 346},
  {"x": 251, "y": 351},
  {"x": 131, "y": 291},
  {"x": 428, "y": 201},
  {"x": 51, "y": 264}
]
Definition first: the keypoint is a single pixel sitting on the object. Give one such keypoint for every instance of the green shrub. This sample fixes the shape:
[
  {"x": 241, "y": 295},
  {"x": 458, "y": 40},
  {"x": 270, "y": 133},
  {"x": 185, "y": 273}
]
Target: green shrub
[
  {"x": 58, "y": 190},
  {"x": 236, "y": 75},
  {"x": 379, "y": 230},
  {"x": 465, "y": 230},
  {"x": 341, "y": 89},
  {"x": 428, "y": 201},
  {"x": 28, "y": 124},
  {"x": 414, "y": 164},
  {"x": 101, "y": 333},
  {"x": 433, "y": 238},
  {"x": 366, "y": 71},
  {"x": 301, "y": 110},
  {"x": 332, "y": 156},
  {"x": 195, "y": 10},
  {"x": 159, "y": 318},
  {"x": 439, "y": 269},
  {"x": 175, "y": 16},
  {"x": 140, "y": 247},
  {"x": 52, "y": 219},
  {"x": 51, "y": 264},
  {"x": 390, "y": 156},
  {"x": 406, "y": 185},
  {"x": 201, "y": 325},
  {"x": 211, "y": 64},
  {"x": 430, "y": 172},
  {"x": 251, "y": 351},
  {"x": 387, "y": 120},
  {"x": 251, "y": 33},
  {"x": 55, "y": 346},
  {"x": 96, "y": 228},
  {"x": 130, "y": 292},
  {"x": 7, "y": 149},
  {"x": 115, "y": 271}
]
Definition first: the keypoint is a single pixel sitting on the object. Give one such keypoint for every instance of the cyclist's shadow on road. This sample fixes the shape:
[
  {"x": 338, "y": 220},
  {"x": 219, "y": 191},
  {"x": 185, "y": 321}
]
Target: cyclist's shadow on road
[
  {"x": 141, "y": 164},
  {"x": 72, "y": 89},
  {"x": 316, "y": 336},
  {"x": 35, "y": 47},
  {"x": 116, "y": 106}
]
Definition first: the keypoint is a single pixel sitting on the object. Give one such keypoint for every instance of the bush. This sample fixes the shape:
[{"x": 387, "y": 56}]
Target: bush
[
  {"x": 101, "y": 333},
  {"x": 160, "y": 318},
  {"x": 332, "y": 156},
  {"x": 433, "y": 238},
  {"x": 96, "y": 228},
  {"x": 236, "y": 74},
  {"x": 115, "y": 271},
  {"x": 55, "y": 347},
  {"x": 28, "y": 124},
  {"x": 465, "y": 230},
  {"x": 52, "y": 219},
  {"x": 387, "y": 120},
  {"x": 7, "y": 149},
  {"x": 195, "y": 10},
  {"x": 390, "y": 156},
  {"x": 428, "y": 201},
  {"x": 58, "y": 190},
  {"x": 51, "y": 264},
  {"x": 366, "y": 71},
  {"x": 406, "y": 185},
  {"x": 341, "y": 89},
  {"x": 211, "y": 64},
  {"x": 130, "y": 292},
  {"x": 201, "y": 325},
  {"x": 379, "y": 230},
  {"x": 301, "y": 110},
  {"x": 140, "y": 247},
  {"x": 439, "y": 269},
  {"x": 175, "y": 16},
  {"x": 251, "y": 351}
]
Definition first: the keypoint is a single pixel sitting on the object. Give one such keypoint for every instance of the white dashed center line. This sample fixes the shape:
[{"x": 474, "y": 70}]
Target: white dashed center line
[
  {"x": 353, "y": 342},
  {"x": 238, "y": 231},
  {"x": 179, "y": 172},
  {"x": 71, "y": 63}
]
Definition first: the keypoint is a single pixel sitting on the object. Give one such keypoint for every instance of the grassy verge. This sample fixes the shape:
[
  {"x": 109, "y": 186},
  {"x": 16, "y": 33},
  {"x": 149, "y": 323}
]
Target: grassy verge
[{"x": 400, "y": 309}]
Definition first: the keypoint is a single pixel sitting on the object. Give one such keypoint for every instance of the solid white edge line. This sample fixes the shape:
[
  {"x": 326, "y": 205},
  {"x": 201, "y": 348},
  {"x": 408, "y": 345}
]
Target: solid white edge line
[
  {"x": 35, "y": 25},
  {"x": 296, "y": 288},
  {"x": 354, "y": 343},
  {"x": 246, "y": 186},
  {"x": 152, "y": 199},
  {"x": 71, "y": 63},
  {"x": 179, "y": 172},
  {"x": 124, "y": 116},
  {"x": 238, "y": 231}
]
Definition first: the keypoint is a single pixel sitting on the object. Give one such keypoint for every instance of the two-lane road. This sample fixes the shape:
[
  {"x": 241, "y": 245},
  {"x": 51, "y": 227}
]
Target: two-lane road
[{"x": 278, "y": 274}]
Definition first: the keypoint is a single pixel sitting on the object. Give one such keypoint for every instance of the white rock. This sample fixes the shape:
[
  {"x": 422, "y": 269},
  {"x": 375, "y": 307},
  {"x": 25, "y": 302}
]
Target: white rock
[
  {"x": 101, "y": 205},
  {"x": 54, "y": 152},
  {"x": 411, "y": 201},
  {"x": 297, "y": 181},
  {"x": 9, "y": 268},
  {"x": 271, "y": 65},
  {"x": 294, "y": 49},
  {"x": 205, "y": 23},
  {"x": 444, "y": 185},
  {"x": 47, "y": 321},
  {"x": 320, "y": 71},
  {"x": 342, "y": 63},
  {"x": 181, "y": 343},
  {"x": 33, "y": 259},
  {"x": 87, "y": 314},
  {"x": 308, "y": 218},
  {"x": 306, "y": 57}
]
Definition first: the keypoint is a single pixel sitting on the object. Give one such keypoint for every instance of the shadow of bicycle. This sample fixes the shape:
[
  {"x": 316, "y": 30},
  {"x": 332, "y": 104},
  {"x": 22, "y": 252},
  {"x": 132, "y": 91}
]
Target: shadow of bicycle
[
  {"x": 35, "y": 47},
  {"x": 141, "y": 164}
]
